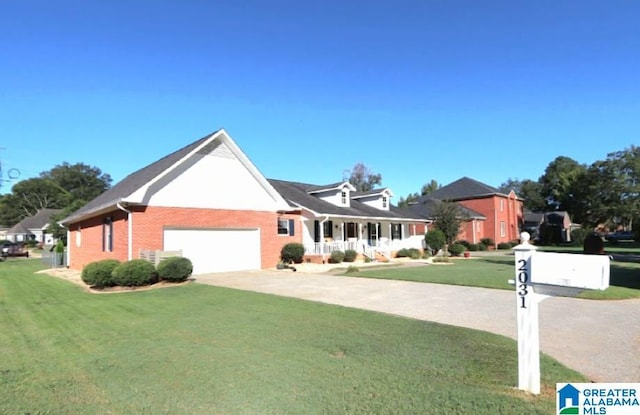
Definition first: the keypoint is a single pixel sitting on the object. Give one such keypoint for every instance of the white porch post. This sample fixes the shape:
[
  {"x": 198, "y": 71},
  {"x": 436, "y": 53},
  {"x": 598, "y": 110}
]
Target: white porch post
[
  {"x": 321, "y": 239},
  {"x": 342, "y": 238},
  {"x": 359, "y": 236},
  {"x": 390, "y": 232}
]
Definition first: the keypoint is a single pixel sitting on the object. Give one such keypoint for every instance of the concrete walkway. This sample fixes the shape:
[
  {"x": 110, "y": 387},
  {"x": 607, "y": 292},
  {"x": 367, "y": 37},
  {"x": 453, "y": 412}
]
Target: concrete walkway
[{"x": 600, "y": 339}]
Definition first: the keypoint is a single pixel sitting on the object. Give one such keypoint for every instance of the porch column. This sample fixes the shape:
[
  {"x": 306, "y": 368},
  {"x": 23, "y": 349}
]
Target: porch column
[
  {"x": 342, "y": 232},
  {"x": 390, "y": 232},
  {"x": 321, "y": 231},
  {"x": 359, "y": 236}
]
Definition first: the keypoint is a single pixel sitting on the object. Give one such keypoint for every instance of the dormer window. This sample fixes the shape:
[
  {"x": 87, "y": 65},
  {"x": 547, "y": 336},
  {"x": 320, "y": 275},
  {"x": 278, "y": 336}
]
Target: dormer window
[
  {"x": 343, "y": 197},
  {"x": 384, "y": 202}
]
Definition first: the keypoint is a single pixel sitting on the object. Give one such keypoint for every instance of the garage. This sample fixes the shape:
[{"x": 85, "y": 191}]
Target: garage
[{"x": 216, "y": 250}]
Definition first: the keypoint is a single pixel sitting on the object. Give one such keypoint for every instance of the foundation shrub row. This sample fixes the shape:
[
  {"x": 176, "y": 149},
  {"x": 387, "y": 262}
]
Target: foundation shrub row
[{"x": 136, "y": 272}]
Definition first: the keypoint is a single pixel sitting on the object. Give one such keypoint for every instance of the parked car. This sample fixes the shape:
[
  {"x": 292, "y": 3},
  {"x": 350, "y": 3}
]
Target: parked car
[
  {"x": 617, "y": 236},
  {"x": 8, "y": 249}
]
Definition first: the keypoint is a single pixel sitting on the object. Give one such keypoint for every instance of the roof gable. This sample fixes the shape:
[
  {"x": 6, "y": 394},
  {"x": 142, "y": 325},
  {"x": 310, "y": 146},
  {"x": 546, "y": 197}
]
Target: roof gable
[
  {"x": 38, "y": 221},
  {"x": 464, "y": 188},
  {"x": 140, "y": 186}
]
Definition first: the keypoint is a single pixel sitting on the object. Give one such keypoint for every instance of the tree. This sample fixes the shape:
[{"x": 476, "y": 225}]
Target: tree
[
  {"x": 430, "y": 187},
  {"x": 448, "y": 216},
  {"x": 529, "y": 190},
  {"x": 63, "y": 186},
  {"x": 362, "y": 178},
  {"x": 562, "y": 186},
  {"x": 426, "y": 189},
  {"x": 435, "y": 240}
]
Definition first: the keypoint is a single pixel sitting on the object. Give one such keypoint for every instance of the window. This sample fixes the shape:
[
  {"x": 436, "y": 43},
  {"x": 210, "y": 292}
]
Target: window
[
  {"x": 327, "y": 229},
  {"x": 351, "y": 230},
  {"x": 286, "y": 227},
  {"x": 503, "y": 229},
  {"x": 79, "y": 237},
  {"x": 501, "y": 205},
  {"x": 107, "y": 235},
  {"x": 396, "y": 231},
  {"x": 343, "y": 197},
  {"x": 384, "y": 202}
]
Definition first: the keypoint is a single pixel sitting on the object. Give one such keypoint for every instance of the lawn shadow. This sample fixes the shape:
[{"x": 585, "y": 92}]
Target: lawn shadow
[{"x": 621, "y": 276}]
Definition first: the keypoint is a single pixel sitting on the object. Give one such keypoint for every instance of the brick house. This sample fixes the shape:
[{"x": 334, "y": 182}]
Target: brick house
[
  {"x": 210, "y": 202},
  {"x": 490, "y": 213}
]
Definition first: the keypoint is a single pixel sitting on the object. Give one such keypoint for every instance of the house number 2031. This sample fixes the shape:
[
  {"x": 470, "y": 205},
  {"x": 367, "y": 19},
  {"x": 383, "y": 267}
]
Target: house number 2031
[{"x": 523, "y": 282}]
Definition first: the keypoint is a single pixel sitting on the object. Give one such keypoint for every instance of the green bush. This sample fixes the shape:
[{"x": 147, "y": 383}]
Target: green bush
[
  {"x": 435, "y": 240},
  {"x": 135, "y": 273},
  {"x": 99, "y": 274},
  {"x": 402, "y": 253},
  {"x": 457, "y": 249},
  {"x": 336, "y": 257},
  {"x": 464, "y": 243},
  {"x": 504, "y": 245},
  {"x": 352, "y": 269},
  {"x": 175, "y": 269},
  {"x": 292, "y": 252},
  {"x": 31, "y": 243},
  {"x": 350, "y": 255},
  {"x": 414, "y": 253},
  {"x": 578, "y": 236},
  {"x": 487, "y": 242}
]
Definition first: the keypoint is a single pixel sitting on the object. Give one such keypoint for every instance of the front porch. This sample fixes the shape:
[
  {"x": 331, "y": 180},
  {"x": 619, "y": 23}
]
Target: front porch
[{"x": 369, "y": 239}]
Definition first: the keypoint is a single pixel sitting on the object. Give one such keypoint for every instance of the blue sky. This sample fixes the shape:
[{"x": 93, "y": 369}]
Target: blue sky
[{"x": 416, "y": 90}]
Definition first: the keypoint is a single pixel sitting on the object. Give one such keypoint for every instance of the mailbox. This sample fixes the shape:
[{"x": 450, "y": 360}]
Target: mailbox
[{"x": 570, "y": 270}]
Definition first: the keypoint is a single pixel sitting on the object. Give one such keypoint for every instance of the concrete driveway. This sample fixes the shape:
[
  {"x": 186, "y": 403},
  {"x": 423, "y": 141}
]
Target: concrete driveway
[{"x": 600, "y": 339}]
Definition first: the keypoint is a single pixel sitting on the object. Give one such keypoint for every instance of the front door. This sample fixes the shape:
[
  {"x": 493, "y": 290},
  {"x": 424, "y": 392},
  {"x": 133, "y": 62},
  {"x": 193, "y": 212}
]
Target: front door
[{"x": 372, "y": 230}]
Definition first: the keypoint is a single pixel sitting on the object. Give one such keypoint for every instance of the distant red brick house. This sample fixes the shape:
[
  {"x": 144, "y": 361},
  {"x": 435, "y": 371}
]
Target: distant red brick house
[{"x": 490, "y": 213}]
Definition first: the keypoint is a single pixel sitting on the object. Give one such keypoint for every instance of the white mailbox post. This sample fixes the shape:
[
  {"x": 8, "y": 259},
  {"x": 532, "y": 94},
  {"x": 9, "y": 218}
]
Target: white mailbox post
[{"x": 539, "y": 275}]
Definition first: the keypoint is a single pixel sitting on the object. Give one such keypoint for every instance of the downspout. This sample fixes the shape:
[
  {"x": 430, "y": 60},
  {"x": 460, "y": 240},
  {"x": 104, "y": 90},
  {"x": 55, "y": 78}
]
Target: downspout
[{"x": 129, "y": 230}]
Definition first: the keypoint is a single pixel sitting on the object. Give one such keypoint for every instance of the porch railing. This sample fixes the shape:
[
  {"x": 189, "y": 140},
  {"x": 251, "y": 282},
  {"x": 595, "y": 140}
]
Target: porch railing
[{"x": 383, "y": 246}]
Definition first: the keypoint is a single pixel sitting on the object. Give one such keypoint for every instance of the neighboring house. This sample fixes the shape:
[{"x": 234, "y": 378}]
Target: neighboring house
[
  {"x": 210, "y": 202},
  {"x": 472, "y": 228},
  {"x": 336, "y": 217},
  {"x": 33, "y": 228},
  {"x": 493, "y": 214},
  {"x": 558, "y": 220}
]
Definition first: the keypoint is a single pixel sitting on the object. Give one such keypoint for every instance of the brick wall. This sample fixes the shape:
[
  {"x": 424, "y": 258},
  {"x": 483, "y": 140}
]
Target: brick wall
[{"x": 149, "y": 223}]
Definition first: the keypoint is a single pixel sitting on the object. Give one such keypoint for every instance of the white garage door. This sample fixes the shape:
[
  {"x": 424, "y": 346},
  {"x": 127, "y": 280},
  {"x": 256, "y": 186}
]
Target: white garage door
[{"x": 216, "y": 250}]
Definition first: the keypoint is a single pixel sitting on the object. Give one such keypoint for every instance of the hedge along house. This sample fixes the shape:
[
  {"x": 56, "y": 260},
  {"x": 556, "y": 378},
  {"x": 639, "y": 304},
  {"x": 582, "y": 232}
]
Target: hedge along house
[
  {"x": 206, "y": 200},
  {"x": 335, "y": 217}
]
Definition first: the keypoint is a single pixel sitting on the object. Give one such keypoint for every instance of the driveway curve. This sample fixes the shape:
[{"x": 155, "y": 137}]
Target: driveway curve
[{"x": 600, "y": 339}]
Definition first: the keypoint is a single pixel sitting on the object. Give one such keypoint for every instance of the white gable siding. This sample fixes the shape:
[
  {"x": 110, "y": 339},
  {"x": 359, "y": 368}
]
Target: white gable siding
[{"x": 216, "y": 180}]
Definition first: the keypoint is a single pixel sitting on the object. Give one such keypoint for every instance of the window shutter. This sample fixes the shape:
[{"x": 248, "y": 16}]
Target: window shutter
[
  {"x": 292, "y": 227},
  {"x": 316, "y": 231},
  {"x": 330, "y": 229}
]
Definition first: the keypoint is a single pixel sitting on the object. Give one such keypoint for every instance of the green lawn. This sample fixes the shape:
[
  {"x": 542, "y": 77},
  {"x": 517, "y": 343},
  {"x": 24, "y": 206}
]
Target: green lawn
[
  {"x": 495, "y": 271},
  {"x": 196, "y": 349}
]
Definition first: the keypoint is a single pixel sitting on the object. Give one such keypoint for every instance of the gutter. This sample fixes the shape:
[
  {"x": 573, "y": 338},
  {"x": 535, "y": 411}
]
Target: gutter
[{"x": 129, "y": 230}]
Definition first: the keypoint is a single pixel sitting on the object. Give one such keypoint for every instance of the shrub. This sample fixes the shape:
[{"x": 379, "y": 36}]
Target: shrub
[
  {"x": 98, "y": 274},
  {"x": 435, "y": 240},
  {"x": 336, "y": 257},
  {"x": 578, "y": 236},
  {"x": 31, "y": 243},
  {"x": 414, "y": 253},
  {"x": 350, "y": 255},
  {"x": 464, "y": 243},
  {"x": 292, "y": 252},
  {"x": 403, "y": 253},
  {"x": 135, "y": 273},
  {"x": 425, "y": 254},
  {"x": 504, "y": 245},
  {"x": 457, "y": 249},
  {"x": 175, "y": 269},
  {"x": 487, "y": 242},
  {"x": 351, "y": 269}
]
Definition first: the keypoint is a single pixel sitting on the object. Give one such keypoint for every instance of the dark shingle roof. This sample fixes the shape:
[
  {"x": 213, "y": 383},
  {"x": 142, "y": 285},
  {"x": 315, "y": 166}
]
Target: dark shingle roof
[
  {"x": 297, "y": 195},
  {"x": 369, "y": 192},
  {"x": 316, "y": 189},
  {"x": 464, "y": 188},
  {"x": 37, "y": 221},
  {"x": 135, "y": 181},
  {"x": 426, "y": 206}
]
